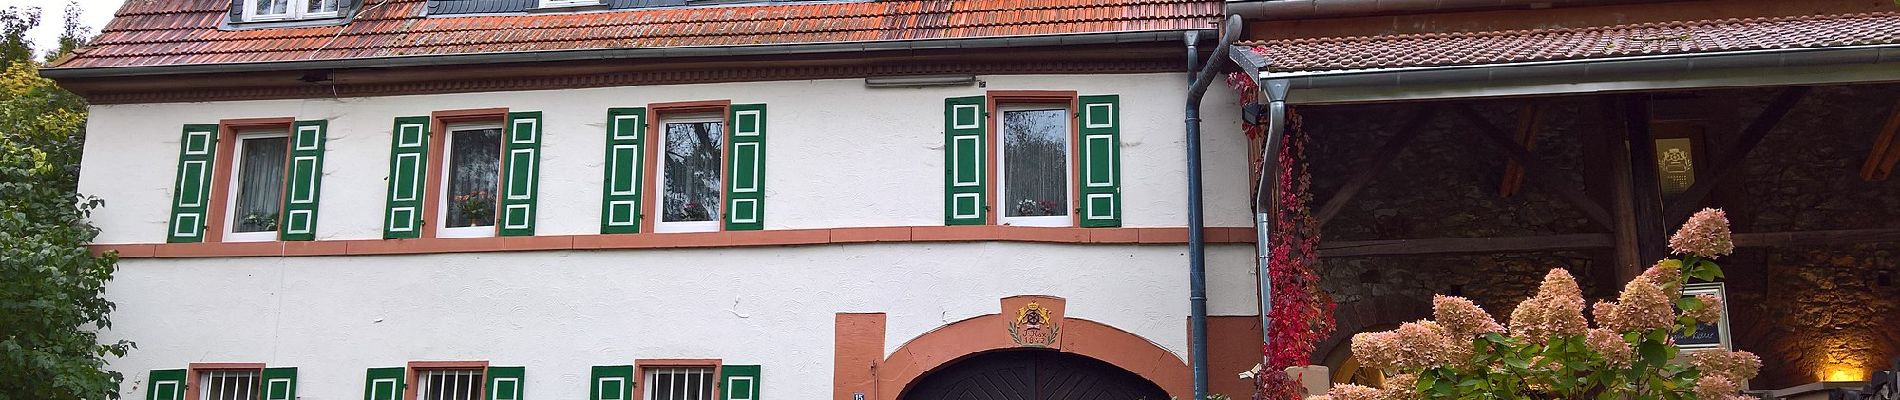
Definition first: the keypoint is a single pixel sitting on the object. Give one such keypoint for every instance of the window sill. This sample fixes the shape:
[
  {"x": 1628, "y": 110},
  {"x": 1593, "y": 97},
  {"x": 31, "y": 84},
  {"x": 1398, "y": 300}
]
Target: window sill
[
  {"x": 568, "y": 8},
  {"x": 228, "y": 25},
  {"x": 782, "y": 237}
]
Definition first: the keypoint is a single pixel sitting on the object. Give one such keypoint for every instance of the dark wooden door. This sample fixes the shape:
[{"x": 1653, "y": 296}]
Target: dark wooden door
[{"x": 1032, "y": 375}]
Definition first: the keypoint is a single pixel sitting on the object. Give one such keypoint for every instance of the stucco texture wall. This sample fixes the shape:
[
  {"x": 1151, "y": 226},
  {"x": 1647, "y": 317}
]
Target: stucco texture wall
[
  {"x": 838, "y": 154},
  {"x": 558, "y": 313}
]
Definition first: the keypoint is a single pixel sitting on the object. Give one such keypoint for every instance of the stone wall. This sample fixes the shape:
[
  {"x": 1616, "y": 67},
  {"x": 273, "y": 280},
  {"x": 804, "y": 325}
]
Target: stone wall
[{"x": 1805, "y": 311}]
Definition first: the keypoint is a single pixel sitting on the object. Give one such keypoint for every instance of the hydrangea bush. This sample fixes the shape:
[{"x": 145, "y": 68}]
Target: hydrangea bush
[{"x": 1550, "y": 351}]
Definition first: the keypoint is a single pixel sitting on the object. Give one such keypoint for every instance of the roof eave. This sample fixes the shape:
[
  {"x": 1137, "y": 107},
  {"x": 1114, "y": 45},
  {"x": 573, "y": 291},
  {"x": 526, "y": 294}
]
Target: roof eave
[
  {"x": 1657, "y": 72},
  {"x": 1171, "y": 35}
]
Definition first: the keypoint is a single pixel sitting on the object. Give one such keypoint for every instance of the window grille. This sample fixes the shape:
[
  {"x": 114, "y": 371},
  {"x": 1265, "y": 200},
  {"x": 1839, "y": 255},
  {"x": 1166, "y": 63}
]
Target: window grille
[
  {"x": 228, "y": 385},
  {"x": 449, "y": 384},
  {"x": 679, "y": 383}
]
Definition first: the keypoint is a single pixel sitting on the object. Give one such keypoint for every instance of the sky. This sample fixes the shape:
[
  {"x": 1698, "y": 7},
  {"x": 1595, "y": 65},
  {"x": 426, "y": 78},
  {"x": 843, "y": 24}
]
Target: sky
[{"x": 52, "y": 16}]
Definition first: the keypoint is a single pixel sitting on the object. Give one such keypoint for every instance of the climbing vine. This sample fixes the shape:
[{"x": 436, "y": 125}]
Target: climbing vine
[{"x": 1302, "y": 313}]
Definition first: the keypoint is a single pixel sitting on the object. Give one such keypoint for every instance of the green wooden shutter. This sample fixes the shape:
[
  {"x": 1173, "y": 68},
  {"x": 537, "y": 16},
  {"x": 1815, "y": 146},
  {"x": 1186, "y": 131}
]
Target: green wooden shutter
[
  {"x": 611, "y": 382},
  {"x": 964, "y": 144},
  {"x": 523, "y": 160},
  {"x": 739, "y": 382},
  {"x": 408, "y": 176},
  {"x": 166, "y": 384},
  {"x": 191, "y": 192},
  {"x": 280, "y": 383},
  {"x": 304, "y": 178},
  {"x": 384, "y": 383},
  {"x": 504, "y": 383},
  {"x": 745, "y": 194},
  {"x": 620, "y": 202},
  {"x": 1101, "y": 202}
]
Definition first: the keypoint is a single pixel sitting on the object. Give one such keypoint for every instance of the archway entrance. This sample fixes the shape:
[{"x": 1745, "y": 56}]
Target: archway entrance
[{"x": 1032, "y": 375}]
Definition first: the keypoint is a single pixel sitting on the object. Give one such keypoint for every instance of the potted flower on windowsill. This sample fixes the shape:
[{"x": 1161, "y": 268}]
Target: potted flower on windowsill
[
  {"x": 260, "y": 221},
  {"x": 1037, "y": 208},
  {"x": 692, "y": 211},
  {"x": 477, "y": 208}
]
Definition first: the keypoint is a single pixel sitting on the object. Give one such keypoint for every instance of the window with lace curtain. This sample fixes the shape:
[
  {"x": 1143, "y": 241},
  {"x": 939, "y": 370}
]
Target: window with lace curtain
[
  {"x": 1035, "y": 165},
  {"x": 471, "y": 179},
  {"x": 257, "y": 195}
]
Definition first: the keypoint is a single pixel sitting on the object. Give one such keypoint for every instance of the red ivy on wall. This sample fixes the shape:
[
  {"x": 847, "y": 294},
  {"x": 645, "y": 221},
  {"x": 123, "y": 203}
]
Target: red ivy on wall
[{"x": 1302, "y": 312}]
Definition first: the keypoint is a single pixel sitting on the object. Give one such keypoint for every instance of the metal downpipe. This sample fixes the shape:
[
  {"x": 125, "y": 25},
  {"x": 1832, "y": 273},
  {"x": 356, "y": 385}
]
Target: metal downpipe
[
  {"x": 1264, "y": 204},
  {"x": 1197, "y": 240}
]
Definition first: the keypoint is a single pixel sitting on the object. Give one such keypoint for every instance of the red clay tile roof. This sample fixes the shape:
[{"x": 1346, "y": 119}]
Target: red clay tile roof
[
  {"x": 1680, "y": 37},
  {"x": 182, "y": 32}
]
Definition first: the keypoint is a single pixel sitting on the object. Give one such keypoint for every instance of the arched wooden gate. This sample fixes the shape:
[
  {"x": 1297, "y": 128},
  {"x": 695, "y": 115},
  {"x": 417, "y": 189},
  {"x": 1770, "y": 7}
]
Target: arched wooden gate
[{"x": 1032, "y": 375}]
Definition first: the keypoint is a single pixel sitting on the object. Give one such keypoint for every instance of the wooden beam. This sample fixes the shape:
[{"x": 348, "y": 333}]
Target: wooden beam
[
  {"x": 1547, "y": 175},
  {"x": 1730, "y": 160},
  {"x": 1521, "y": 244},
  {"x": 1375, "y": 160},
  {"x": 1816, "y": 238},
  {"x": 1646, "y": 214},
  {"x": 1584, "y": 241},
  {"x": 1886, "y": 151}
]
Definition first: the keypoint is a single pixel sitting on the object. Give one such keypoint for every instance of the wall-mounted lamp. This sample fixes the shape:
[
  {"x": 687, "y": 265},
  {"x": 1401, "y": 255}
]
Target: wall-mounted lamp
[
  {"x": 1843, "y": 373},
  {"x": 919, "y": 81}
]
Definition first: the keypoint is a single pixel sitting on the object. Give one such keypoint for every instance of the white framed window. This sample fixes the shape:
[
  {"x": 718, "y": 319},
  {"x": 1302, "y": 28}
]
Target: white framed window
[
  {"x": 257, "y": 188},
  {"x": 568, "y": 3},
  {"x": 229, "y": 385},
  {"x": 679, "y": 383},
  {"x": 471, "y": 178},
  {"x": 691, "y": 173},
  {"x": 449, "y": 384},
  {"x": 1035, "y": 165},
  {"x": 281, "y": 10}
]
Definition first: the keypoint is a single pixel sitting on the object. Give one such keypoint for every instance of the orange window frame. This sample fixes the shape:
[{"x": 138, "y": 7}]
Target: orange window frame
[
  {"x": 193, "y": 375},
  {"x": 650, "y": 171},
  {"x": 414, "y": 370},
  {"x": 994, "y": 98},
  {"x": 223, "y": 163},
  {"x": 439, "y": 130},
  {"x": 640, "y": 371}
]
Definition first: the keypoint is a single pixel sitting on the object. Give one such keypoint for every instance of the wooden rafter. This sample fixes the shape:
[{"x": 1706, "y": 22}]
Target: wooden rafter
[
  {"x": 1730, "y": 160},
  {"x": 1545, "y": 174},
  {"x": 1375, "y": 160},
  {"x": 1886, "y": 151},
  {"x": 1529, "y": 119}
]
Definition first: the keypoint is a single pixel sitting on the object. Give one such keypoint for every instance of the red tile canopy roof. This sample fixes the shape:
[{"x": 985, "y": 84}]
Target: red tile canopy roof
[
  {"x": 1679, "y": 37},
  {"x": 186, "y": 32}
]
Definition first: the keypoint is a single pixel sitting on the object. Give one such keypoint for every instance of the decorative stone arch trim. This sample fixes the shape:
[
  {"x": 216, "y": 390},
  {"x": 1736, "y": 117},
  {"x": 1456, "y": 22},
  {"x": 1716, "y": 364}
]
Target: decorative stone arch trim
[{"x": 860, "y": 338}]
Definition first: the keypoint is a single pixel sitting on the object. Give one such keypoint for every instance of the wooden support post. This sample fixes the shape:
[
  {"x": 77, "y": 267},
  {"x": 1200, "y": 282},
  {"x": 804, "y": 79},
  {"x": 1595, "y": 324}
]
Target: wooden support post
[
  {"x": 1546, "y": 175},
  {"x": 1645, "y": 186},
  {"x": 1369, "y": 164},
  {"x": 1731, "y": 160},
  {"x": 1623, "y": 193}
]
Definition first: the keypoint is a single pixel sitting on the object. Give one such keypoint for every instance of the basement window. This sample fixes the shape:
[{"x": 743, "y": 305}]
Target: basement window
[{"x": 285, "y": 10}]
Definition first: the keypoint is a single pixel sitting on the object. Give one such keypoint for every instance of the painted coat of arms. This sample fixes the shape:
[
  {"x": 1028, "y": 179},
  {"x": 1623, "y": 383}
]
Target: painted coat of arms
[{"x": 1033, "y": 327}]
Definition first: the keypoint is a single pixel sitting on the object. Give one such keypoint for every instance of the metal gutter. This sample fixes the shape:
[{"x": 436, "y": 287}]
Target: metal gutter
[
  {"x": 628, "y": 53},
  {"x": 1306, "y": 9},
  {"x": 1723, "y": 69}
]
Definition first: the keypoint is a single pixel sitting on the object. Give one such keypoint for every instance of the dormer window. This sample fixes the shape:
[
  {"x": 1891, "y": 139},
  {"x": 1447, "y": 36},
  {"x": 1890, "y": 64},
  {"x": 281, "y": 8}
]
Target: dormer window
[{"x": 282, "y": 10}]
